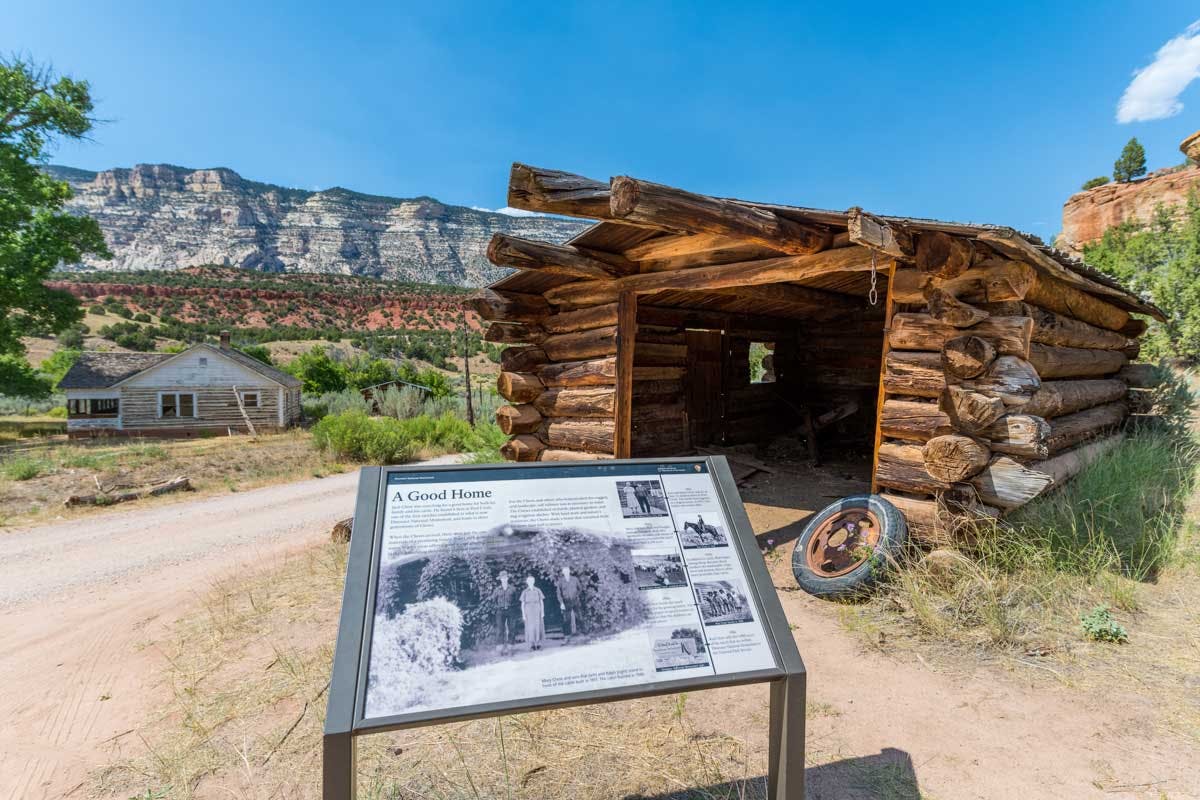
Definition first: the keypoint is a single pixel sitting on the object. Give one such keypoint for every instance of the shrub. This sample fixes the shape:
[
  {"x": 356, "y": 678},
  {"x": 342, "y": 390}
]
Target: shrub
[
  {"x": 58, "y": 412},
  {"x": 97, "y": 309},
  {"x": 1094, "y": 182},
  {"x": 1100, "y": 626},
  {"x": 141, "y": 316},
  {"x": 401, "y": 403},
  {"x": 410, "y": 649},
  {"x": 23, "y": 468},
  {"x": 357, "y": 437}
]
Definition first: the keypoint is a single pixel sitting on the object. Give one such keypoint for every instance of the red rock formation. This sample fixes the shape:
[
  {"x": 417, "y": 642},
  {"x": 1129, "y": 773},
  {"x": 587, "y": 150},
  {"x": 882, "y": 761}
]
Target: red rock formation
[{"x": 1087, "y": 215}]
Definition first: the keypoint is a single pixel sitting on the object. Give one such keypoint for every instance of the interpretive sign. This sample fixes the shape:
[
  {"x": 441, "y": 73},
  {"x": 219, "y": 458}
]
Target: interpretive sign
[{"x": 482, "y": 590}]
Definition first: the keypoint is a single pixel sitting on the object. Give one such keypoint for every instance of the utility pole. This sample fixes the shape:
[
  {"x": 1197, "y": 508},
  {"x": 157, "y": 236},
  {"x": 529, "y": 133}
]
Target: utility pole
[{"x": 467, "y": 371}]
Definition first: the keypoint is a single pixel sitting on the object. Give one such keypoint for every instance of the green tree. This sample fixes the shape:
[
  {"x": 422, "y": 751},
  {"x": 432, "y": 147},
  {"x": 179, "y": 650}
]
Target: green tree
[
  {"x": 1132, "y": 163},
  {"x": 21, "y": 380},
  {"x": 1160, "y": 259},
  {"x": 258, "y": 351},
  {"x": 36, "y": 234},
  {"x": 1094, "y": 182},
  {"x": 318, "y": 371},
  {"x": 56, "y": 366}
]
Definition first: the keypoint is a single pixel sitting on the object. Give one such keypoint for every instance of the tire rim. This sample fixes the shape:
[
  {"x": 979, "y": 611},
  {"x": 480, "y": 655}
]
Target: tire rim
[{"x": 839, "y": 546}]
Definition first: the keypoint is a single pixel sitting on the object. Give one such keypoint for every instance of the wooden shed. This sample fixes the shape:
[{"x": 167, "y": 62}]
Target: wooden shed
[{"x": 974, "y": 364}]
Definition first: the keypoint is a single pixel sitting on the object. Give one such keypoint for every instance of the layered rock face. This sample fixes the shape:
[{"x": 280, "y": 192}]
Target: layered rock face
[
  {"x": 157, "y": 216},
  {"x": 1087, "y": 215}
]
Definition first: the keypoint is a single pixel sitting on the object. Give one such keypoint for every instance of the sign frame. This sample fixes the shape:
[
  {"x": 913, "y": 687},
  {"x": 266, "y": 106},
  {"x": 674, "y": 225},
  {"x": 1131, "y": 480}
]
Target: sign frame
[{"x": 344, "y": 719}]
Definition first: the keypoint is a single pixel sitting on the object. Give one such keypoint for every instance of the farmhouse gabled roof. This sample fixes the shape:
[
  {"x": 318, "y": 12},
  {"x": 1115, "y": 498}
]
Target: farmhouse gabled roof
[{"x": 97, "y": 370}]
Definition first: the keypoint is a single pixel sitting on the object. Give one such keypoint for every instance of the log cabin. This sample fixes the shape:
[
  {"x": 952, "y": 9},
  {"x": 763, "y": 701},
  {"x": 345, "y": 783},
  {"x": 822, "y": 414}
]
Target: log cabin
[
  {"x": 977, "y": 366},
  {"x": 204, "y": 389}
]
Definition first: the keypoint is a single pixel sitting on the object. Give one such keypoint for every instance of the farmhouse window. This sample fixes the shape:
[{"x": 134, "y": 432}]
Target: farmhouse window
[
  {"x": 176, "y": 404},
  {"x": 204, "y": 361},
  {"x": 250, "y": 399},
  {"x": 93, "y": 407}
]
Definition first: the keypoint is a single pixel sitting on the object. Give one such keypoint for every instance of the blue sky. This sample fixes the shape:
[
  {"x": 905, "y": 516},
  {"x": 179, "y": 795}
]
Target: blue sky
[{"x": 992, "y": 114}]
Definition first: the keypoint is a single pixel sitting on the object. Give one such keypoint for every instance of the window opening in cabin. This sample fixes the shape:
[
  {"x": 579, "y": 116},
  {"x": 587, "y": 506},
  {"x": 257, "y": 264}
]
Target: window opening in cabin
[
  {"x": 250, "y": 399},
  {"x": 762, "y": 362},
  {"x": 176, "y": 404}
]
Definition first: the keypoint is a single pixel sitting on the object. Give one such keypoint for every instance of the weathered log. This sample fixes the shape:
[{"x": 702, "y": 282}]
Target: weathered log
[
  {"x": 555, "y": 192},
  {"x": 599, "y": 372},
  {"x": 942, "y": 255},
  {"x": 1056, "y": 398},
  {"x": 969, "y": 411},
  {"x": 914, "y": 374},
  {"x": 555, "y": 259},
  {"x": 929, "y": 522},
  {"x": 1065, "y": 466},
  {"x": 1010, "y": 335},
  {"x": 1051, "y": 328},
  {"x": 1062, "y": 298},
  {"x": 913, "y": 421},
  {"x": 587, "y": 402},
  {"x": 651, "y": 354},
  {"x": 582, "y": 319},
  {"x": 1134, "y": 328},
  {"x": 592, "y": 435},
  {"x": 1008, "y": 484},
  {"x": 902, "y": 467},
  {"x": 967, "y": 356},
  {"x": 513, "y": 333},
  {"x": 1019, "y": 435},
  {"x": 520, "y": 358},
  {"x": 1140, "y": 376},
  {"x": 990, "y": 281},
  {"x": 518, "y": 387},
  {"x": 1072, "y": 429},
  {"x": 107, "y": 498},
  {"x": 871, "y": 231},
  {"x": 945, "y": 307},
  {"x": 1012, "y": 379},
  {"x": 525, "y": 447},
  {"x": 1073, "y": 362},
  {"x": 648, "y": 203},
  {"x": 514, "y": 420},
  {"x": 656, "y": 391},
  {"x": 581, "y": 344},
  {"x": 677, "y": 245},
  {"x": 953, "y": 458},
  {"x": 719, "y": 276},
  {"x": 572, "y": 455},
  {"x": 509, "y": 306}
]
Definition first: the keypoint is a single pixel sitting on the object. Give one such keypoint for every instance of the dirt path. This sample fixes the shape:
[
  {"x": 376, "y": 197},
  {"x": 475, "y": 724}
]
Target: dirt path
[{"x": 79, "y": 599}]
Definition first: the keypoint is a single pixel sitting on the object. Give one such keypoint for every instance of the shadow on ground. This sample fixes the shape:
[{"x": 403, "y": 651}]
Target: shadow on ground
[{"x": 887, "y": 775}]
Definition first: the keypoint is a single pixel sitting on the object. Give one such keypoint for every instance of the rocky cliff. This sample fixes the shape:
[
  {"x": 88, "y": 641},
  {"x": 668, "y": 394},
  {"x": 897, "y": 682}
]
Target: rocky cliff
[
  {"x": 1088, "y": 214},
  {"x": 157, "y": 216}
]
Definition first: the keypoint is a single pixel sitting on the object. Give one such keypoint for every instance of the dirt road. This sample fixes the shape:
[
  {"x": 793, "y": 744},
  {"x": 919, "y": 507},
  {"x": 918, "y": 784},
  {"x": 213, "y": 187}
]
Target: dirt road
[{"x": 79, "y": 599}]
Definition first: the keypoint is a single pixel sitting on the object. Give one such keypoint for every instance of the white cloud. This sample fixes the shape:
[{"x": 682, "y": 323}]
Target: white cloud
[
  {"x": 509, "y": 211},
  {"x": 1154, "y": 91}
]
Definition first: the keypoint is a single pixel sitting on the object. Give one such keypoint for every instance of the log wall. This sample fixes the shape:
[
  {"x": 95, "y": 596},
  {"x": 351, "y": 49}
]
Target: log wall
[{"x": 998, "y": 385}]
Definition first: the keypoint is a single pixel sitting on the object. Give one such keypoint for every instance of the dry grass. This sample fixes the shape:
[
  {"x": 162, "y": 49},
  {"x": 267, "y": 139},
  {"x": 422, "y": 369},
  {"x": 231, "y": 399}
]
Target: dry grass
[
  {"x": 247, "y": 676},
  {"x": 36, "y": 478}
]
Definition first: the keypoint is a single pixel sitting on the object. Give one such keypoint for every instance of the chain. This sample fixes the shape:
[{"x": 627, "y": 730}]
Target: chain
[{"x": 873, "y": 295}]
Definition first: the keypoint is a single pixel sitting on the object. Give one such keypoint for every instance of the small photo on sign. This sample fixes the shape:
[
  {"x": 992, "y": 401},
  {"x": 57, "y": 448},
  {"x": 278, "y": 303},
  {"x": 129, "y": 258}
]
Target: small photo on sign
[
  {"x": 723, "y": 603},
  {"x": 696, "y": 531},
  {"x": 658, "y": 570},
  {"x": 678, "y": 648},
  {"x": 641, "y": 499}
]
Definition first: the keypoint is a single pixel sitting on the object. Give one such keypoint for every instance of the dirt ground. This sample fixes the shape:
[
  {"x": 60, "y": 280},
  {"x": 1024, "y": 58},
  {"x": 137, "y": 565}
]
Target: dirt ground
[
  {"x": 128, "y": 678},
  {"x": 216, "y": 464}
]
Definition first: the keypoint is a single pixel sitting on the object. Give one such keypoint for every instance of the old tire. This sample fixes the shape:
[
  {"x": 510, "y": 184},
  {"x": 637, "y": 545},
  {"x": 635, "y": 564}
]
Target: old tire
[{"x": 847, "y": 548}]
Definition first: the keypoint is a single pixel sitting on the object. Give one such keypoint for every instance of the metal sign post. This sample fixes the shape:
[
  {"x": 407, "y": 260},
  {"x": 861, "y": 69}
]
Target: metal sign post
[{"x": 743, "y": 635}]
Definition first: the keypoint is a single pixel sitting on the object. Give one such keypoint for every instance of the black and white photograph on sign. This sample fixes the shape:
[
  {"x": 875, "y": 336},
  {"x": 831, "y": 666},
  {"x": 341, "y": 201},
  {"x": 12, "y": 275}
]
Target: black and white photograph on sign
[
  {"x": 678, "y": 648},
  {"x": 641, "y": 499},
  {"x": 659, "y": 570},
  {"x": 723, "y": 603},
  {"x": 455, "y": 622},
  {"x": 700, "y": 532}
]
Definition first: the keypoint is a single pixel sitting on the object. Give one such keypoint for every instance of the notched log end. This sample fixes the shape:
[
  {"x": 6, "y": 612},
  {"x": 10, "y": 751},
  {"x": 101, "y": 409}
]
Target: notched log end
[{"x": 625, "y": 194}]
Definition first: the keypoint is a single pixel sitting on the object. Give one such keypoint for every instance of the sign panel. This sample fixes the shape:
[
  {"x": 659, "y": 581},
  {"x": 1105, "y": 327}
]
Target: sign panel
[{"x": 519, "y": 586}]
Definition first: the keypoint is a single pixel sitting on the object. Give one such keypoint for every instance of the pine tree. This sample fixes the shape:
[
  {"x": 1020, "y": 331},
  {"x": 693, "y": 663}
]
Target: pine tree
[{"x": 1132, "y": 163}]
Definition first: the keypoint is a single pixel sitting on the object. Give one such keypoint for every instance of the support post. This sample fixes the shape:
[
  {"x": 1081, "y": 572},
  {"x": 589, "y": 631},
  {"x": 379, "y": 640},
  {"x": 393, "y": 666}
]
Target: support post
[
  {"x": 785, "y": 762},
  {"x": 882, "y": 395},
  {"x": 623, "y": 405}
]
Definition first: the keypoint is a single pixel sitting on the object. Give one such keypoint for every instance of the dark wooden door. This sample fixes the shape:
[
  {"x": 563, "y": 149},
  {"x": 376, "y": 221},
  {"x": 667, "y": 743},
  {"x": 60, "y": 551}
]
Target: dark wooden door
[{"x": 705, "y": 386}]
